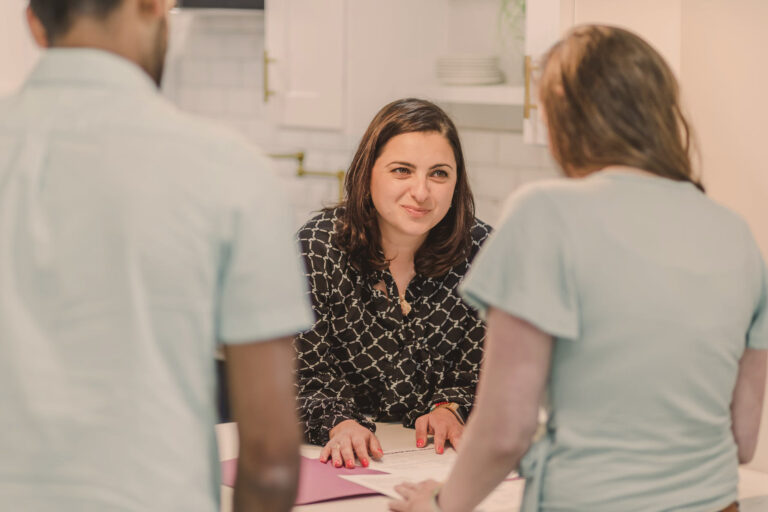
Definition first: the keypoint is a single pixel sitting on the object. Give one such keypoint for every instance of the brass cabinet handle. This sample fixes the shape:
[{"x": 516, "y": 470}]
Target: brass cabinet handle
[
  {"x": 301, "y": 171},
  {"x": 339, "y": 175},
  {"x": 530, "y": 67},
  {"x": 298, "y": 156},
  {"x": 267, "y": 60}
]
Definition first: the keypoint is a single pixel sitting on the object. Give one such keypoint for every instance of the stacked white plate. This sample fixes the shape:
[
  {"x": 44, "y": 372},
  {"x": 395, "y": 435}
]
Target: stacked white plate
[{"x": 469, "y": 70}]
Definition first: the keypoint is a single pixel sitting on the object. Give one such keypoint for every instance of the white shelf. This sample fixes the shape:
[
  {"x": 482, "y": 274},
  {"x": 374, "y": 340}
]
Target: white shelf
[{"x": 504, "y": 94}]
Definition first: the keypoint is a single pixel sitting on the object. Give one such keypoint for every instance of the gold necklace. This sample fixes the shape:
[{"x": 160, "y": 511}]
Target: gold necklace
[{"x": 404, "y": 306}]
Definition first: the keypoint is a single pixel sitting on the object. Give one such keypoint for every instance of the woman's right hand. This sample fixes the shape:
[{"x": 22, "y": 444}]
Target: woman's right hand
[{"x": 348, "y": 439}]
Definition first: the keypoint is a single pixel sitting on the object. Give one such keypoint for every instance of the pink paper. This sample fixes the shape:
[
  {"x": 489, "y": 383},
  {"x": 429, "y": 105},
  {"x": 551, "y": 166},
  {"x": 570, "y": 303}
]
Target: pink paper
[{"x": 317, "y": 481}]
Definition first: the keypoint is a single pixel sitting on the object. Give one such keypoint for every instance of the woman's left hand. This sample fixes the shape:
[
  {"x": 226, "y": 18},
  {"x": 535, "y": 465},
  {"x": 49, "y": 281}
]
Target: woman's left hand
[
  {"x": 416, "y": 497},
  {"x": 443, "y": 425}
]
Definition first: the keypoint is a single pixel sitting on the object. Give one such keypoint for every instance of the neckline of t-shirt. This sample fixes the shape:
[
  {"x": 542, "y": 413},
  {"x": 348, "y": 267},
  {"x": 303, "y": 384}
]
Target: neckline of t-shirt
[{"x": 630, "y": 173}]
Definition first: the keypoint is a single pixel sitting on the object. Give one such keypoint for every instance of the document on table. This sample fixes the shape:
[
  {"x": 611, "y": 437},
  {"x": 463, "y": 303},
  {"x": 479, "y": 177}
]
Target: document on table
[
  {"x": 417, "y": 465},
  {"x": 317, "y": 481}
]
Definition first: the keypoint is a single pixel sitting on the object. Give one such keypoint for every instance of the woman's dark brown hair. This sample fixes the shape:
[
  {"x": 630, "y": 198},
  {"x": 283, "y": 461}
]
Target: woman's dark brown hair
[
  {"x": 449, "y": 242},
  {"x": 609, "y": 98}
]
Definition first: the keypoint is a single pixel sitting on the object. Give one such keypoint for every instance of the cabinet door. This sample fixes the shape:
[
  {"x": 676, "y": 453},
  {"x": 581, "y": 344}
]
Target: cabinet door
[
  {"x": 545, "y": 22},
  {"x": 305, "y": 66},
  {"x": 659, "y": 22},
  {"x": 18, "y": 52}
]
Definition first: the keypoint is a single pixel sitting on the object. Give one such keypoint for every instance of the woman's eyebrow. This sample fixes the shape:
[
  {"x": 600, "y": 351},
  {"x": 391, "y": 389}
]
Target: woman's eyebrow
[
  {"x": 441, "y": 165},
  {"x": 405, "y": 164}
]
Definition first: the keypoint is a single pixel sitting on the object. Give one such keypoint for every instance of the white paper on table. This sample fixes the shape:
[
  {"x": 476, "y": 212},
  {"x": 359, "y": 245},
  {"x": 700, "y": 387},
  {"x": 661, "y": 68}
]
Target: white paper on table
[
  {"x": 418, "y": 465},
  {"x": 507, "y": 496}
]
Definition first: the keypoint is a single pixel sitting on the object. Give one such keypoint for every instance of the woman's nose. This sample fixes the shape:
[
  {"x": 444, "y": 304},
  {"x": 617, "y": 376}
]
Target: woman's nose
[{"x": 420, "y": 190}]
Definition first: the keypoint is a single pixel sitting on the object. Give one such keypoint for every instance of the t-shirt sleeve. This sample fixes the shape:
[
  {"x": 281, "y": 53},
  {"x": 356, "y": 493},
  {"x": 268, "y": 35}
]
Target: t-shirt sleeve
[
  {"x": 525, "y": 267},
  {"x": 757, "y": 335},
  {"x": 262, "y": 289}
]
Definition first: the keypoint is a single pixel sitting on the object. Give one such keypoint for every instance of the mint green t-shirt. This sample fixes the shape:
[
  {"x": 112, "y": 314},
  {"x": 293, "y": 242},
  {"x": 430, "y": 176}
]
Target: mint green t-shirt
[
  {"x": 652, "y": 292},
  {"x": 133, "y": 238}
]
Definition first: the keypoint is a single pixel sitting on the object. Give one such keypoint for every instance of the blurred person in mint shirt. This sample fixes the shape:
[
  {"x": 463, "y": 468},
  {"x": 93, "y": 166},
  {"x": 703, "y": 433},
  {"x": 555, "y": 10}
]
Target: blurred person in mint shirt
[{"x": 134, "y": 239}]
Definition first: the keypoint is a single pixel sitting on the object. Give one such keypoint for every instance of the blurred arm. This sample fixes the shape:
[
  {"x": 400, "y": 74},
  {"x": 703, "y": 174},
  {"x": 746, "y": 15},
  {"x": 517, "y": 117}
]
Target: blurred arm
[
  {"x": 747, "y": 404},
  {"x": 512, "y": 383},
  {"x": 263, "y": 397}
]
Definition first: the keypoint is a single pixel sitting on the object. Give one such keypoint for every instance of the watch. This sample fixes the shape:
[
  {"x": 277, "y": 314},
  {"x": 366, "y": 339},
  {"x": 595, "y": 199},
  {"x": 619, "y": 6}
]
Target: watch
[{"x": 451, "y": 406}]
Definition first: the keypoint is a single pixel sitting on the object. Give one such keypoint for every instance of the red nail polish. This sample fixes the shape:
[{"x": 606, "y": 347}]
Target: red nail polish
[
  {"x": 440, "y": 449},
  {"x": 364, "y": 462},
  {"x": 420, "y": 443},
  {"x": 381, "y": 452},
  {"x": 337, "y": 463}
]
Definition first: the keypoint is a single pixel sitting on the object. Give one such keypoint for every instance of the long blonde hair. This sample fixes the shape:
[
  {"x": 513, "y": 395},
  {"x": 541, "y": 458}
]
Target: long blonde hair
[{"x": 609, "y": 98}]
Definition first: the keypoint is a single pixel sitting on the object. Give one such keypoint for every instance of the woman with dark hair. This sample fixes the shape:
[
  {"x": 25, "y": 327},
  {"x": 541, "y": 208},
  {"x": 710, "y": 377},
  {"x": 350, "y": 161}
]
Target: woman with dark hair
[
  {"x": 393, "y": 341},
  {"x": 634, "y": 300}
]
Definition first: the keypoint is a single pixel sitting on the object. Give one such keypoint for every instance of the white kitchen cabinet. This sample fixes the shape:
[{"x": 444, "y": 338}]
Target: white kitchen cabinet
[
  {"x": 658, "y": 21},
  {"x": 18, "y": 52},
  {"x": 333, "y": 64},
  {"x": 304, "y": 65}
]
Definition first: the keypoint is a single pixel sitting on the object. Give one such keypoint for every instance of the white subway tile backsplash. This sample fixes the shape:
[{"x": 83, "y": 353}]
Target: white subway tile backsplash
[
  {"x": 250, "y": 22},
  {"x": 514, "y": 153},
  {"x": 242, "y": 45},
  {"x": 186, "y": 99},
  {"x": 211, "y": 101},
  {"x": 225, "y": 72},
  {"x": 315, "y": 161},
  {"x": 488, "y": 209},
  {"x": 492, "y": 182},
  {"x": 549, "y": 163},
  {"x": 310, "y": 194},
  {"x": 531, "y": 175},
  {"x": 252, "y": 73},
  {"x": 338, "y": 160},
  {"x": 243, "y": 102},
  {"x": 261, "y": 132},
  {"x": 193, "y": 71},
  {"x": 327, "y": 139},
  {"x": 204, "y": 44},
  {"x": 480, "y": 147},
  {"x": 292, "y": 139},
  {"x": 234, "y": 123}
]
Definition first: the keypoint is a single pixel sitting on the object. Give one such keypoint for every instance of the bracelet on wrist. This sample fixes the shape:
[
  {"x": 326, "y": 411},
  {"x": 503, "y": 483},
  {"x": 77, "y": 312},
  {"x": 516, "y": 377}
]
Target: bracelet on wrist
[{"x": 451, "y": 406}]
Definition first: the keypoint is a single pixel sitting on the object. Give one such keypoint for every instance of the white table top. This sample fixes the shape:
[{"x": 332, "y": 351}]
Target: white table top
[{"x": 753, "y": 485}]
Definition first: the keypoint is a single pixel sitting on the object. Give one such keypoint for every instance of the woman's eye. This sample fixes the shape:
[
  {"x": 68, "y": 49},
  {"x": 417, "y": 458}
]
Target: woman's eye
[
  {"x": 439, "y": 173},
  {"x": 401, "y": 170}
]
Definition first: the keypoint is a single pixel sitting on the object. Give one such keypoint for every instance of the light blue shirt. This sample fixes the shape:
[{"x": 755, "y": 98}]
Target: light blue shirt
[
  {"x": 132, "y": 238},
  {"x": 652, "y": 292}
]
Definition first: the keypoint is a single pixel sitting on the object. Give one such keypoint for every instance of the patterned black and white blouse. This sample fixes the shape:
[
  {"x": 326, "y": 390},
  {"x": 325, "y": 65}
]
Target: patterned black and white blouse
[{"x": 364, "y": 357}]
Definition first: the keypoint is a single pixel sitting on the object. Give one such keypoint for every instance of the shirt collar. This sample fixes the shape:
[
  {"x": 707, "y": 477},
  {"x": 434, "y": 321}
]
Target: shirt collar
[{"x": 89, "y": 66}]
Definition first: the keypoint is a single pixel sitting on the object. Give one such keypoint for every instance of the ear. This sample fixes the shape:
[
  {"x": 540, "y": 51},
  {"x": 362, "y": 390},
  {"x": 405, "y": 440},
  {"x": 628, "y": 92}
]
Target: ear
[
  {"x": 154, "y": 8},
  {"x": 37, "y": 29}
]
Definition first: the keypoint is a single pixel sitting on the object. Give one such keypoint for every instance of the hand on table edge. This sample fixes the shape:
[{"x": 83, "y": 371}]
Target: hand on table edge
[
  {"x": 347, "y": 440},
  {"x": 443, "y": 425}
]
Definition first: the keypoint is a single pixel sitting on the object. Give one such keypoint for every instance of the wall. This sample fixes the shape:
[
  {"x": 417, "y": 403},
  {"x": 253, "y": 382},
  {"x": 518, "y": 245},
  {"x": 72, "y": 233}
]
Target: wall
[
  {"x": 18, "y": 52},
  {"x": 657, "y": 20},
  {"x": 214, "y": 69},
  {"x": 724, "y": 77}
]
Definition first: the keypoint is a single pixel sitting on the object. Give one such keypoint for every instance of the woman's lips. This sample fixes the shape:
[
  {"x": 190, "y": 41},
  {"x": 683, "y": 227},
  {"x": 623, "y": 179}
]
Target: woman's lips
[{"x": 416, "y": 212}]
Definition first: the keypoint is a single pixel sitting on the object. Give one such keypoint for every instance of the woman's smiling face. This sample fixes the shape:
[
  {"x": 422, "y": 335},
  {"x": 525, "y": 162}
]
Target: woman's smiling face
[{"x": 412, "y": 184}]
